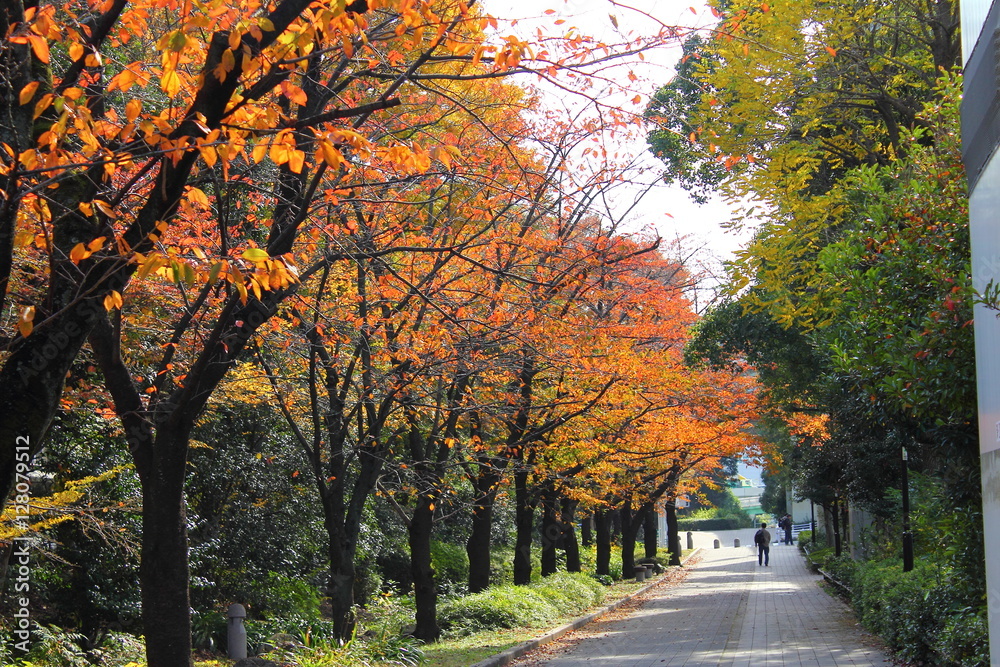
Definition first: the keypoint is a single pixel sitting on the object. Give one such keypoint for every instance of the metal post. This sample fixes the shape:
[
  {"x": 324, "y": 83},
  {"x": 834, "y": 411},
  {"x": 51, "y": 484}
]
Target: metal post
[
  {"x": 907, "y": 535},
  {"x": 812, "y": 522},
  {"x": 237, "y": 635}
]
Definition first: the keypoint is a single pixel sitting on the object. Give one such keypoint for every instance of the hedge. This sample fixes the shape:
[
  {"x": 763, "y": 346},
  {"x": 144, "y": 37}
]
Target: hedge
[
  {"x": 723, "y": 523},
  {"x": 921, "y": 615}
]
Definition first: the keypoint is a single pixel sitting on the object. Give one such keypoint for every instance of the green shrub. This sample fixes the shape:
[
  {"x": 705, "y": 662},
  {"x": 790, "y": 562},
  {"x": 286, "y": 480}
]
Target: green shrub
[
  {"x": 571, "y": 592},
  {"x": 817, "y": 557},
  {"x": 506, "y": 606},
  {"x": 964, "y": 639},
  {"x": 843, "y": 568},
  {"x": 274, "y": 595},
  {"x": 393, "y": 649},
  {"x": 299, "y": 631},
  {"x": 394, "y": 564},
  {"x": 502, "y": 565},
  {"x": 511, "y": 606},
  {"x": 367, "y": 580},
  {"x": 923, "y": 615},
  {"x": 719, "y": 523},
  {"x": 118, "y": 649},
  {"x": 52, "y": 646},
  {"x": 904, "y": 608},
  {"x": 603, "y": 579},
  {"x": 451, "y": 567},
  {"x": 383, "y": 650}
]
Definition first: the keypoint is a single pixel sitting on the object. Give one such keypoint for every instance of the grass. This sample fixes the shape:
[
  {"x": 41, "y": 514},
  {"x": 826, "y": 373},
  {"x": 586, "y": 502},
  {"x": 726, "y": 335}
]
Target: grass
[{"x": 470, "y": 649}]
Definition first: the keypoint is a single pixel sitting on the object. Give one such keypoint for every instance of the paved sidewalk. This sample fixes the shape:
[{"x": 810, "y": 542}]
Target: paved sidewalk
[{"x": 731, "y": 612}]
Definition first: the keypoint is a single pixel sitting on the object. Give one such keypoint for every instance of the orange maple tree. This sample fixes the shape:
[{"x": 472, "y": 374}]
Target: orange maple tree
[{"x": 208, "y": 171}]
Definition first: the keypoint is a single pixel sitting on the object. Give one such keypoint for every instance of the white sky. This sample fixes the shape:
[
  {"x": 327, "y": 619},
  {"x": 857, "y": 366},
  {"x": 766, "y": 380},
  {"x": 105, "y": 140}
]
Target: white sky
[{"x": 667, "y": 208}]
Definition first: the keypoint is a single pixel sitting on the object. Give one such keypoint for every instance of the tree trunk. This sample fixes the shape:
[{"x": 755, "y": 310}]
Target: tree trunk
[
  {"x": 587, "y": 530},
  {"x": 341, "y": 573},
  {"x": 602, "y": 528},
  {"x": 551, "y": 531},
  {"x": 31, "y": 383},
  {"x": 424, "y": 588},
  {"x": 570, "y": 545},
  {"x": 163, "y": 571},
  {"x": 524, "y": 519},
  {"x": 673, "y": 534},
  {"x": 630, "y": 529},
  {"x": 650, "y": 534},
  {"x": 478, "y": 547}
]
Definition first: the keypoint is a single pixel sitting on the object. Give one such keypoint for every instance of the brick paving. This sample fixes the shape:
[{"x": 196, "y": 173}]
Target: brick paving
[{"x": 730, "y": 612}]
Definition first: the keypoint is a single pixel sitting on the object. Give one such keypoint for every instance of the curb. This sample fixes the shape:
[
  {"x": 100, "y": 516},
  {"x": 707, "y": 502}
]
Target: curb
[{"x": 515, "y": 652}]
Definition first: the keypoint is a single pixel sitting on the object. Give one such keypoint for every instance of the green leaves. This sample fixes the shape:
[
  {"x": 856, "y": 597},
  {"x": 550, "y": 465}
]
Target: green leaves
[{"x": 901, "y": 327}]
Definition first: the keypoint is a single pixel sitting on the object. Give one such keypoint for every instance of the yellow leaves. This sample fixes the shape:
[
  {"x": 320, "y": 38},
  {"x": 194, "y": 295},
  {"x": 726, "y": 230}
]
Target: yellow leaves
[
  {"x": 282, "y": 151},
  {"x": 39, "y": 45},
  {"x": 42, "y": 104},
  {"x": 198, "y": 196},
  {"x": 132, "y": 109},
  {"x": 134, "y": 74},
  {"x": 331, "y": 155},
  {"x": 113, "y": 300},
  {"x": 28, "y": 93},
  {"x": 80, "y": 252},
  {"x": 412, "y": 159},
  {"x": 446, "y": 154},
  {"x": 255, "y": 255},
  {"x": 170, "y": 82},
  {"x": 25, "y": 321},
  {"x": 227, "y": 64},
  {"x": 294, "y": 93},
  {"x": 510, "y": 55},
  {"x": 44, "y": 512}
]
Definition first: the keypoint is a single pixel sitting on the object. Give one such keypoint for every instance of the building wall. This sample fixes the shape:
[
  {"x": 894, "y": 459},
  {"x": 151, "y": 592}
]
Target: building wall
[
  {"x": 973, "y": 16},
  {"x": 980, "y": 18},
  {"x": 984, "y": 211}
]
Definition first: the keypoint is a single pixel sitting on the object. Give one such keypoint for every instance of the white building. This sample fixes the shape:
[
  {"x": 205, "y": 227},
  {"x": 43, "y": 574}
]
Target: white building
[{"x": 980, "y": 139}]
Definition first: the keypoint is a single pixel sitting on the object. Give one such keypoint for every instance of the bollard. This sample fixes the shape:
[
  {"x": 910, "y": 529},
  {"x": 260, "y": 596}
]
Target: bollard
[
  {"x": 237, "y": 636},
  {"x": 640, "y": 572},
  {"x": 736, "y": 542},
  {"x": 690, "y": 540},
  {"x": 717, "y": 544}
]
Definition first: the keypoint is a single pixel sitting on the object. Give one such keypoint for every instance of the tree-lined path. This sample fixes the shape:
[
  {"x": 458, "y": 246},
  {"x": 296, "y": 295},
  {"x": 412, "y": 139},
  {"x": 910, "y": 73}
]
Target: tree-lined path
[{"x": 728, "y": 612}]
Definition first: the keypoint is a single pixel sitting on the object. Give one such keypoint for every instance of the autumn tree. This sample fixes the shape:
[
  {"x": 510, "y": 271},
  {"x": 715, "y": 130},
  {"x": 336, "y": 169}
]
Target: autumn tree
[
  {"x": 194, "y": 170},
  {"x": 120, "y": 169}
]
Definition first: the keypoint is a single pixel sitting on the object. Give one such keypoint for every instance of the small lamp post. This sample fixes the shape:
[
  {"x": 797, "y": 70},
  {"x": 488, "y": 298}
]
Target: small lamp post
[{"x": 907, "y": 535}]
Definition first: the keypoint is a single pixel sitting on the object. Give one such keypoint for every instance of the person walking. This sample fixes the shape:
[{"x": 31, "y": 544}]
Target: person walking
[
  {"x": 787, "y": 525},
  {"x": 762, "y": 538}
]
